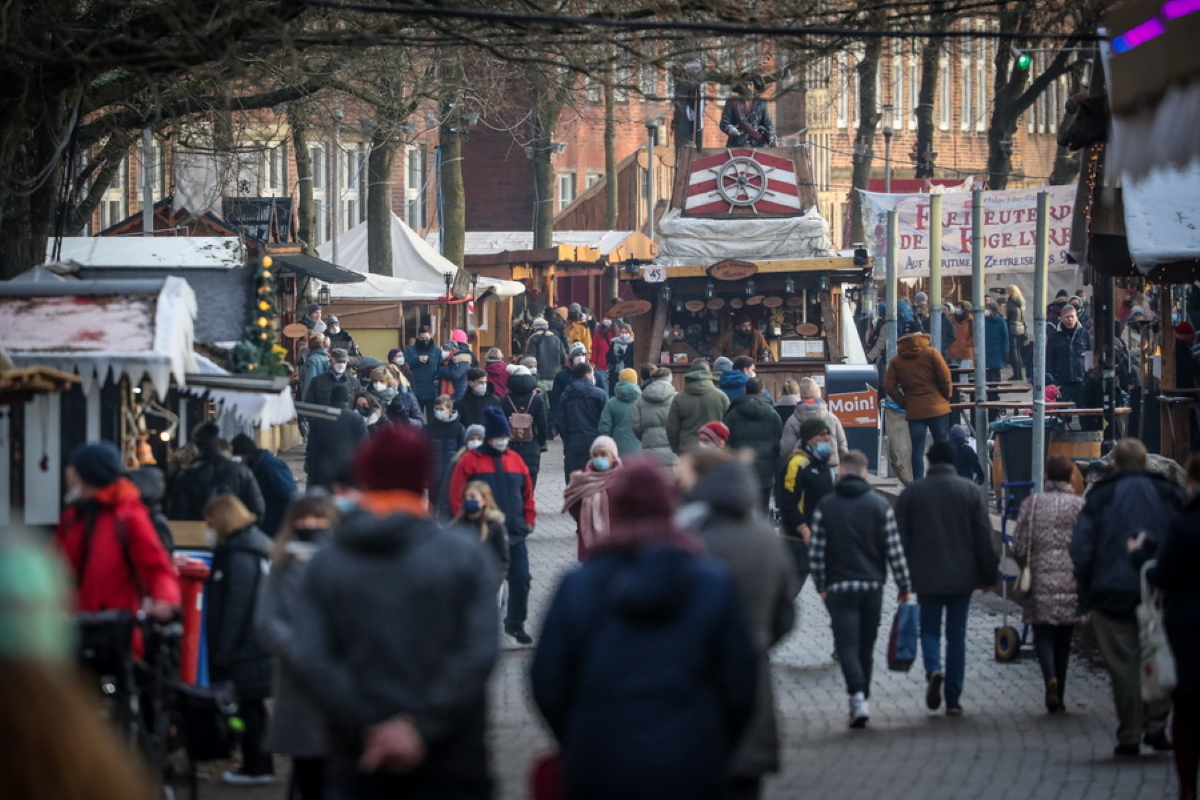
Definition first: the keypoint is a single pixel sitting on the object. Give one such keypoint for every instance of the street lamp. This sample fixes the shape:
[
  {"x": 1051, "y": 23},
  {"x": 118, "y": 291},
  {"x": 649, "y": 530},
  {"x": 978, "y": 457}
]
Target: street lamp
[{"x": 888, "y": 133}]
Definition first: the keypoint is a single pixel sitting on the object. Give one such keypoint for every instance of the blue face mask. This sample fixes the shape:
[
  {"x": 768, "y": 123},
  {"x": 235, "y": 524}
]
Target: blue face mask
[
  {"x": 822, "y": 450},
  {"x": 344, "y": 504},
  {"x": 472, "y": 506},
  {"x": 601, "y": 463}
]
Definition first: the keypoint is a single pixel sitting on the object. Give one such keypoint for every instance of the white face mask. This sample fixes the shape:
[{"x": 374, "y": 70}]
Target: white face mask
[
  {"x": 479, "y": 389},
  {"x": 210, "y": 537},
  {"x": 334, "y": 329},
  {"x": 339, "y": 368},
  {"x": 398, "y": 361},
  {"x": 499, "y": 444},
  {"x": 578, "y": 359},
  {"x": 379, "y": 386},
  {"x": 625, "y": 337},
  {"x": 473, "y": 444}
]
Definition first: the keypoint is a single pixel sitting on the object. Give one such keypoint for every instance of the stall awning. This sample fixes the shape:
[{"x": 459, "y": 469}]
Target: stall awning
[
  {"x": 700, "y": 240},
  {"x": 141, "y": 330},
  {"x": 255, "y": 401},
  {"x": 318, "y": 268},
  {"x": 142, "y": 252}
]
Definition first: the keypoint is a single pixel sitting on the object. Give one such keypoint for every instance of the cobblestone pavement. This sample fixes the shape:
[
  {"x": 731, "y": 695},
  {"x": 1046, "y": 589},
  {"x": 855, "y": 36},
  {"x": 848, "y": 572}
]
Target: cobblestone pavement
[{"x": 1004, "y": 746}]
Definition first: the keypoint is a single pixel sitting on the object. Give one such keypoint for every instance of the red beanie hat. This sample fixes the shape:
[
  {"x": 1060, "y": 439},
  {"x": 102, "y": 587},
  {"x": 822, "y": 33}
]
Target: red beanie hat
[
  {"x": 1184, "y": 330},
  {"x": 715, "y": 433},
  {"x": 398, "y": 457}
]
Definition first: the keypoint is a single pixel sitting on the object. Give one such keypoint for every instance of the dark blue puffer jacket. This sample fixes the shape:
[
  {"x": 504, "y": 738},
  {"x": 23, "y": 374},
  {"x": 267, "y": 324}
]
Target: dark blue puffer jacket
[{"x": 424, "y": 376}]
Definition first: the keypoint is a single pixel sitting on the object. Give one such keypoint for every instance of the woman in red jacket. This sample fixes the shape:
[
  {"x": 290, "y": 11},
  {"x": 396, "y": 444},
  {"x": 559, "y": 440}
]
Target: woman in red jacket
[{"x": 108, "y": 540}]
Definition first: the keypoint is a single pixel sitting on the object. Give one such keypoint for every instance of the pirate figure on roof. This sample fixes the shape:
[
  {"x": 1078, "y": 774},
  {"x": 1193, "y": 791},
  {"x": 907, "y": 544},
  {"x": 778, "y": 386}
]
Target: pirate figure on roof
[{"x": 746, "y": 119}]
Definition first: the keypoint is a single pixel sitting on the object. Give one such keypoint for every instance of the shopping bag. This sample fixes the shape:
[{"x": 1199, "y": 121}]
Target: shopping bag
[
  {"x": 545, "y": 778},
  {"x": 902, "y": 644},
  {"x": 1159, "y": 677}
]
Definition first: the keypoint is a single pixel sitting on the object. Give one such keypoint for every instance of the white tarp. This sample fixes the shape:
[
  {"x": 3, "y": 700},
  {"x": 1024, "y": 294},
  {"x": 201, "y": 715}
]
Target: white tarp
[
  {"x": 260, "y": 409},
  {"x": 134, "y": 335},
  {"x": 412, "y": 260},
  {"x": 480, "y": 243},
  {"x": 148, "y": 252},
  {"x": 693, "y": 240},
  {"x": 1162, "y": 215},
  {"x": 1010, "y": 230}
]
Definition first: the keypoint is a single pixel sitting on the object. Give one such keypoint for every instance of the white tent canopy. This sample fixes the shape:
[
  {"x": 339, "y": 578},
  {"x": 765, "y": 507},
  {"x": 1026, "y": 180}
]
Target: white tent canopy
[{"x": 421, "y": 268}]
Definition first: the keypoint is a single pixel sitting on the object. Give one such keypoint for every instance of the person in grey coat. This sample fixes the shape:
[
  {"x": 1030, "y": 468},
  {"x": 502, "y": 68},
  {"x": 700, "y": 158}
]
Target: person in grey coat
[
  {"x": 548, "y": 348},
  {"x": 950, "y": 550},
  {"x": 649, "y": 418},
  {"x": 297, "y": 727},
  {"x": 395, "y": 635},
  {"x": 721, "y": 495}
]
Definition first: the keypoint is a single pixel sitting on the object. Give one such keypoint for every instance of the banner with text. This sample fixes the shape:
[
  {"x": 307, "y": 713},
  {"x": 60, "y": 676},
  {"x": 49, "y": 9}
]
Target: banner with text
[{"x": 1009, "y": 230}]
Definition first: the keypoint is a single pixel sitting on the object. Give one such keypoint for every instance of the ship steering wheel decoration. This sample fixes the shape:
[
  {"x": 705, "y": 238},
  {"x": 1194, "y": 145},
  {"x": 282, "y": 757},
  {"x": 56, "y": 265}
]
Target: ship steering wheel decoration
[{"x": 741, "y": 182}]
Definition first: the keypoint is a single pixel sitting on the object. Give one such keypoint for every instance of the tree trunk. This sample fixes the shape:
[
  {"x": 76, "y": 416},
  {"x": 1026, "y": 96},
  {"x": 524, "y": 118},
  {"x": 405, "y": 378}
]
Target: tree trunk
[
  {"x": 931, "y": 56},
  {"x": 454, "y": 207},
  {"x": 547, "y": 105},
  {"x": 610, "y": 157},
  {"x": 27, "y": 217},
  {"x": 306, "y": 214},
  {"x": 868, "y": 118},
  {"x": 379, "y": 201}
]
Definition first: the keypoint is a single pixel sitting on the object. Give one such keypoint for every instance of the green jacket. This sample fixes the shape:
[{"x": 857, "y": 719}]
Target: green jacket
[
  {"x": 650, "y": 418},
  {"x": 699, "y": 403},
  {"x": 617, "y": 418}
]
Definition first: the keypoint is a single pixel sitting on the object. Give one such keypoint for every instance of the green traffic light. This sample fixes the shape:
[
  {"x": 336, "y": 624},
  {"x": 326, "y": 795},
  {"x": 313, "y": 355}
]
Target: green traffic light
[{"x": 1024, "y": 60}]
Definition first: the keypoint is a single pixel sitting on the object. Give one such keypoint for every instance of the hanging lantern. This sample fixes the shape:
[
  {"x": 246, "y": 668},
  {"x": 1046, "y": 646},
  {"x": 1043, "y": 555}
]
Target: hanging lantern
[
  {"x": 709, "y": 291},
  {"x": 750, "y": 287},
  {"x": 679, "y": 304},
  {"x": 323, "y": 297},
  {"x": 823, "y": 283},
  {"x": 666, "y": 292},
  {"x": 789, "y": 285}
]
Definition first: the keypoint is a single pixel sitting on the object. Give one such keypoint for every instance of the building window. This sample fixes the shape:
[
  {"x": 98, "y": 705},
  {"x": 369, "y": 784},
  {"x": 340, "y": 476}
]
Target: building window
[
  {"x": 114, "y": 203},
  {"x": 316, "y": 162},
  {"x": 354, "y": 183},
  {"x": 593, "y": 178},
  {"x": 648, "y": 81},
  {"x": 945, "y": 92},
  {"x": 985, "y": 54},
  {"x": 593, "y": 91},
  {"x": 842, "y": 109},
  {"x": 914, "y": 82},
  {"x": 622, "y": 80},
  {"x": 273, "y": 170},
  {"x": 566, "y": 189},
  {"x": 415, "y": 176},
  {"x": 899, "y": 78},
  {"x": 968, "y": 89}
]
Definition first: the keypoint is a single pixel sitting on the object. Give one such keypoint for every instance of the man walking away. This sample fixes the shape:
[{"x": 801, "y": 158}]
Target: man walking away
[
  {"x": 211, "y": 474},
  {"x": 918, "y": 381},
  {"x": 275, "y": 481},
  {"x": 699, "y": 403},
  {"x": 1117, "y": 509},
  {"x": 854, "y": 541},
  {"x": 753, "y": 424},
  {"x": 804, "y": 481},
  {"x": 947, "y": 536},
  {"x": 396, "y": 635},
  {"x": 577, "y": 412}
]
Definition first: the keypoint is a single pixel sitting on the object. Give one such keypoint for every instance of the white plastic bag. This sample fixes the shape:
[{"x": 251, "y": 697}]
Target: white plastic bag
[{"x": 1158, "y": 662}]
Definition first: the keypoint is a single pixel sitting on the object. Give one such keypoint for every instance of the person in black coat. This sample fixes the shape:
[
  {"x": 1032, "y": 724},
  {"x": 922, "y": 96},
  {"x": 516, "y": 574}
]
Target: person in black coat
[
  {"x": 240, "y": 563},
  {"x": 320, "y": 388},
  {"x": 404, "y": 408},
  {"x": 423, "y": 359},
  {"x": 274, "y": 477},
  {"x": 524, "y": 398},
  {"x": 331, "y": 442},
  {"x": 448, "y": 434},
  {"x": 646, "y": 667},
  {"x": 210, "y": 474},
  {"x": 578, "y": 417},
  {"x": 480, "y": 394}
]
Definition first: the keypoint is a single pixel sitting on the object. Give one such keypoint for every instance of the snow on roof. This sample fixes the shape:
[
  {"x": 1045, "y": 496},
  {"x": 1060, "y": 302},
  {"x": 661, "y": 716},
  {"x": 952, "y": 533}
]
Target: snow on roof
[
  {"x": 116, "y": 252},
  {"x": 262, "y": 409},
  {"x": 136, "y": 329}
]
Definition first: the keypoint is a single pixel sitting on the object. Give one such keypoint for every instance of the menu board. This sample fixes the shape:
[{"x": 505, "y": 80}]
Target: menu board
[{"x": 796, "y": 349}]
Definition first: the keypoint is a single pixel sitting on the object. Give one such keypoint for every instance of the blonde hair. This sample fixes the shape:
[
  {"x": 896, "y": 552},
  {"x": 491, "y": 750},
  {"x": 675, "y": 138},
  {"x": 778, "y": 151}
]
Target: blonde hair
[
  {"x": 1128, "y": 455},
  {"x": 316, "y": 341},
  {"x": 489, "y": 504},
  {"x": 308, "y": 506},
  {"x": 383, "y": 374},
  {"x": 227, "y": 515},
  {"x": 398, "y": 374},
  {"x": 791, "y": 387},
  {"x": 1013, "y": 291}
]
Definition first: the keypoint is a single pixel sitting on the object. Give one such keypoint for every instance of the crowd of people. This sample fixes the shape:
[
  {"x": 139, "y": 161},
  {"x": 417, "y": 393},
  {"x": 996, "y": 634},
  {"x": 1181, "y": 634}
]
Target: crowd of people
[{"x": 372, "y": 605}]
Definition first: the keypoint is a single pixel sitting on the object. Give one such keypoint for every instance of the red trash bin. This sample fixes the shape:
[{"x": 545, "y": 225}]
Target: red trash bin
[{"x": 192, "y": 574}]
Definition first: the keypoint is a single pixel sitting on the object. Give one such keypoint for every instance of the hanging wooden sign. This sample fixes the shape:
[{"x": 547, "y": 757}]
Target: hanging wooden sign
[
  {"x": 737, "y": 302},
  {"x": 296, "y": 330},
  {"x": 629, "y": 308},
  {"x": 753, "y": 301},
  {"x": 792, "y": 302},
  {"x": 773, "y": 302},
  {"x": 694, "y": 305},
  {"x": 730, "y": 270},
  {"x": 716, "y": 303},
  {"x": 807, "y": 329}
]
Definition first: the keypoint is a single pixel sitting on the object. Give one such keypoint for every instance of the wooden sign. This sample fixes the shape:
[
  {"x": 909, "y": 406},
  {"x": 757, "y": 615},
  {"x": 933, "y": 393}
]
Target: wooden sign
[
  {"x": 716, "y": 303},
  {"x": 629, "y": 308},
  {"x": 737, "y": 302},
  {"x": 792, "y": 302},
  {"x": 694, "y": 305},
  {"x": 730, "y": 270},
  {"x": 806, "y": 329},
  {"x": 773, "y": 302},
  {"x": 296, "y": 330},
  {"x": 753, "y": 301}
]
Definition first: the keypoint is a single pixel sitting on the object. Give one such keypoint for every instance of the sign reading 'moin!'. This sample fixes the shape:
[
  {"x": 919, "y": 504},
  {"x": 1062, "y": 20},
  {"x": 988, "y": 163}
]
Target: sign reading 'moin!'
[{"x": 856, "y": 409}]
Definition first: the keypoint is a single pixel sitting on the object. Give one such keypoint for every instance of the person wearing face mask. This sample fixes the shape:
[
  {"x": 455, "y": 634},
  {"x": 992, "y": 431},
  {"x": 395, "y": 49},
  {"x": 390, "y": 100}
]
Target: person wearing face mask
[
  {"x": 367, "y": 406},
  {"x": 452, "y": 374},
  {"x": 240, "y": 564},
  {"x": 449, "y": 437},
  {"x": 712, "y": 436},
  {"x": 342, "y": 339},
  {"x": 804, "y": 481},
  {"x": 497, "y": 372},
  {"x": 480, "y": 395},
  {"x": 297, "y": 727},
  {"x": 578, "y": 413},
  {"x": 321, "y": 387},
  {"x": 621, "y": 353},
  {"x": 996, "y": 342},
  {"x": 331, "y": 442},
  {"x": 423, "y": 359},
  {"x": 382, "y": 386},
  {"x": 586, "y": 495},
  {"x": 396, "y": 359},
  {"x": 525, "y": 399},
  {"x": 505, "y": 472},
  {"x": 601, "y": 349},
  {"x": 479, "y": 515}
]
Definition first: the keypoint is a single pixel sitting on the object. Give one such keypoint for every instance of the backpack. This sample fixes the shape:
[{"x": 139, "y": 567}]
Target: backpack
[
  {"x": 521, "y": 422},
  {"x": 203, "y": 483}
]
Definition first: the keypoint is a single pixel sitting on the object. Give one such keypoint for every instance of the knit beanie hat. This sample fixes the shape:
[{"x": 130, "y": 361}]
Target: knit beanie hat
[
  {"x": 714, "y": 433},
  {"x": 604, "y": 443},
  {"x": 243, "y": 445},
  {"x": 313, "y": 307},
  {"x": 517, "y": 369},
  {"x": 809, "y": 388},
  {"x": 921, "y": 298},
  {"x": 959, "y": 434},
  {"x": 813, "y": 426},
  {"x": 475, "y": 430},
  {"x": 395, "y": 351},
  {"x": 578, "y": 348},
  {"x": 722, "y": 364},
  {"x": 398, "y": 457},
  {"x": 540, "y": 322},
  {"x": 98, "y": 464},
  {"x": 1185, "y": 331},
  {"x": 578, "y": 309},
  {"x": 458, "y": 335},
  {"x": 628, "y": 374},
  {"x": 495, "y": 424}
]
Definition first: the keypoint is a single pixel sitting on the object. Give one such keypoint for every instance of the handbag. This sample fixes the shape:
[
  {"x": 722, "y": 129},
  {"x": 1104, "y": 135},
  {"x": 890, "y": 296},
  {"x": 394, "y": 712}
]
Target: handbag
[
  {"x": 210, "y": 724},
  {"x": 1159, "y": 676},
  {"x": 902, "y": 643},
  {"x": 1021, "y": 589}
]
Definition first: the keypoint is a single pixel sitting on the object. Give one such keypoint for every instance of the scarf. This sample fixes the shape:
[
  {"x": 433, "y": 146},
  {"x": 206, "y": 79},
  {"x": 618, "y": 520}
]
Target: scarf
[{"x": 588, "y": 489}]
